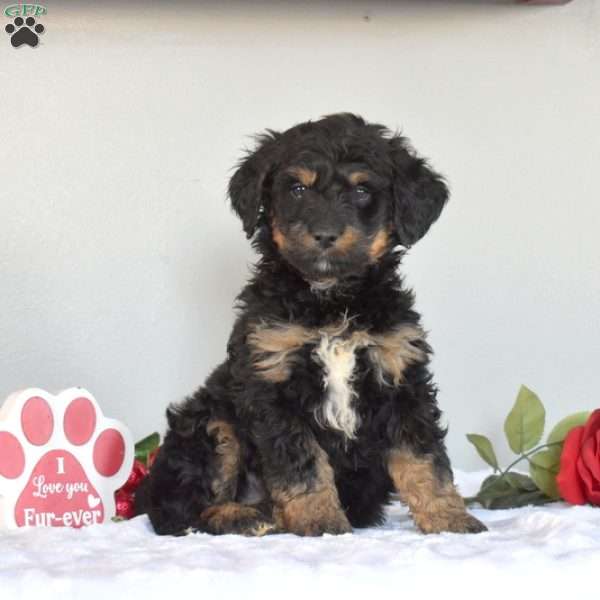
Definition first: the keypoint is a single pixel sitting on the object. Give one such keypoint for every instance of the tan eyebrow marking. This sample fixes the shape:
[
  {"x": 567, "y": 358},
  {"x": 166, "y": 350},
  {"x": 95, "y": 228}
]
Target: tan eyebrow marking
[
  {"x": 305, "y": 176},
  {"x": 358, "y": 177}
]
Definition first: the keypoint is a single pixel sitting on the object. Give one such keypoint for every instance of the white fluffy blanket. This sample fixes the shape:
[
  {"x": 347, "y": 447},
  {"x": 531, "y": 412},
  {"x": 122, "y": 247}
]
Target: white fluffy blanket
[{"x": 542, "y": 552}]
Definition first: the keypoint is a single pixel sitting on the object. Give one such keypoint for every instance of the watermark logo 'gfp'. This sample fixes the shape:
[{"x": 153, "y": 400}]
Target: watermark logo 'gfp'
[{"x": 24, "y": 29}]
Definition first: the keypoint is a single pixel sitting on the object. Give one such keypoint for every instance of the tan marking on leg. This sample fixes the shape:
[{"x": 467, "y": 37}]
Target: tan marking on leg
[
  {"x": 305, "y": 176},
  {"x": 379, "y": 245},
  {"x": 273, "y": 346},
  {"x": 227, "y": 455},
  {"x": 311, "y": 508},
  {"x": 312, "y": 514},
  {"x": 435, "y": 505},
  {"x": 232, "y": 517}
]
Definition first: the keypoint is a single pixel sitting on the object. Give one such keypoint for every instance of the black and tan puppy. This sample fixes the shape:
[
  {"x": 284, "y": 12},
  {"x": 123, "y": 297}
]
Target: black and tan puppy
[{"x": 325, "y": 404}]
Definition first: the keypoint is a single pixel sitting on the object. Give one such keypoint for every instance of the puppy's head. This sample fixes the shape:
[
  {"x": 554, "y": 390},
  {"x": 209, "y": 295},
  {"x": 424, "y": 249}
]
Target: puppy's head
[{"x": 336, "y": 195}]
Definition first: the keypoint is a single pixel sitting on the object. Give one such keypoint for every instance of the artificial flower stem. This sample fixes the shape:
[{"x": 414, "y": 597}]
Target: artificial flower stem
[
  {"x": 527, "y": 455},
  {"x": 521, "y": 457}
]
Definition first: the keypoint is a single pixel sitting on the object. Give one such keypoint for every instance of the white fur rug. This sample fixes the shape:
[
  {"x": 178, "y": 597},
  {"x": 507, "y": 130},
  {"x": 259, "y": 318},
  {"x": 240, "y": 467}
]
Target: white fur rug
[{"x": 536, "y": 552}]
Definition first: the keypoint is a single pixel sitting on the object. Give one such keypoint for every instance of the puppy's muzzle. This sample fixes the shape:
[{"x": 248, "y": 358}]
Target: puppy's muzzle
[{"x": 326, "y": 237}]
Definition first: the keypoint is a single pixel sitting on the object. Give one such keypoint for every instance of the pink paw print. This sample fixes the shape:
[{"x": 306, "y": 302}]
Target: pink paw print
[{"x": 61, "y": 460}]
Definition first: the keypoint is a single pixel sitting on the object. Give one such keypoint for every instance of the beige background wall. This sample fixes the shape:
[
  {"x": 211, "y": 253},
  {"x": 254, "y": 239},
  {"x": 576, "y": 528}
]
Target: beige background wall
[{"x": 119, "y": 259}]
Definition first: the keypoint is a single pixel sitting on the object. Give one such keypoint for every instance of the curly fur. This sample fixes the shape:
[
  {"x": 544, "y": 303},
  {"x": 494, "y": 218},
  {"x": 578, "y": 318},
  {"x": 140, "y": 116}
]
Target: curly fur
[{"x": 326, "y": 381}]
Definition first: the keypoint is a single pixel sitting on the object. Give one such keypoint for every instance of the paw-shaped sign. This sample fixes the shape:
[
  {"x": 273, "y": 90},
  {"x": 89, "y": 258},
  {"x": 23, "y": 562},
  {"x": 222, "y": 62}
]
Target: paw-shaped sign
[{"x": 61, "y": 460}]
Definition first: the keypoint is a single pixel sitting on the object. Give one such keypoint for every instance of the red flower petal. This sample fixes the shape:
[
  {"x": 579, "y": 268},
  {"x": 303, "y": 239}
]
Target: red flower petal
[
  {"x": 591, "y": 486},
  {"x": 568, "y": 478},
  {"x": 124, "y": 504},
  {"x": 138, "y": 472},
  {"x": 589, "y": 457},
  {"x": 591, "y": 475},
  {"x": 584, "y": 474},
  {"x": 591, "y": 426},
  {"x": 593, "y": 495}
]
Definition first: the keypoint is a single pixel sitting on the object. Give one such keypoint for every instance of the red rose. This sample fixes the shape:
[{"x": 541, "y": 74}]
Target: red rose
[
  {"x": 138, "y": 472},
  {"x": 124, "y": 504},
  {"x": 125, "y": 495},
  {"x": 579, "y": 476}
]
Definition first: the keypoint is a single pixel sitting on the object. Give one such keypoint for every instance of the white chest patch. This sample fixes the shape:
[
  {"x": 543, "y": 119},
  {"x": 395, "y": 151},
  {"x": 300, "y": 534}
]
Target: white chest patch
[
  {"x": 274, "y": 346},
  {"x": 337, "y": 358}
]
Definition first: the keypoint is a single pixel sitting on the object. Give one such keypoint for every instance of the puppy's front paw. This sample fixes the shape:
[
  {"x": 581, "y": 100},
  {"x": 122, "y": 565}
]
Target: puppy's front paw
[
  {"x": 455, "y": 522},
  {"x": 313, "y": 514},
  {"x": 468, "y": 524}
]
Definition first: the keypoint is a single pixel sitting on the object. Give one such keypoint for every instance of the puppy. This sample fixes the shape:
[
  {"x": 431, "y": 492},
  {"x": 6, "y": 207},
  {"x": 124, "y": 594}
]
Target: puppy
[{"x": 325, "y": 404}]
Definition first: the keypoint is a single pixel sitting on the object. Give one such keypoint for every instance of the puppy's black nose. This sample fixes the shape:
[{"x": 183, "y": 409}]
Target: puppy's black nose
[{"x": 326, "y": 237}]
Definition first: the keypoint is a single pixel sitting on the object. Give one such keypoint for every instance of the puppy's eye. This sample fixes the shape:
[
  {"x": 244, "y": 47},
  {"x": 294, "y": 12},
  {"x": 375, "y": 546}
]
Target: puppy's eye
[
  {"x": 362, "y": 196},
  {"x": 297, "y": 190}
]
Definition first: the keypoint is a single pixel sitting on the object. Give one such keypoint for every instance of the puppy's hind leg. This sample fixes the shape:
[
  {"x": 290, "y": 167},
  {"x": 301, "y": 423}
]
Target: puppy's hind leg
[
  {"x": 178, "y": 487},
  {"x": 225, "y": 515},
  {"x": 193, "y": 483}
]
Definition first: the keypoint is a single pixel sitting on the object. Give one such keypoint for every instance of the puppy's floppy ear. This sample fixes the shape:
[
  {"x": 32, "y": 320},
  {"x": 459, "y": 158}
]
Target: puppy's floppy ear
[
  {"x": 419, "y": 193},
  {"x": 247, "y": 187}
]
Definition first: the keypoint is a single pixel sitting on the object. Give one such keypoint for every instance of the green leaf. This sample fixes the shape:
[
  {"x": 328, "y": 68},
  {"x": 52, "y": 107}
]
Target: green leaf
[
  {"x": 484, "y": 449},
  {"x": 512, "y": 490},
  {"x": 520, "y": 482},
  {"x": 487, "y": 483},
  {"x": 562, "y": 428},
  {"x": 493, "y": 487},
  {"x": 544, "y": 467},
  {"x": 489, "y": 480},
  {"x": 145, "y": 446},
  {"x": 517, "y": 500},
  {"x": 524, "y": 425}
]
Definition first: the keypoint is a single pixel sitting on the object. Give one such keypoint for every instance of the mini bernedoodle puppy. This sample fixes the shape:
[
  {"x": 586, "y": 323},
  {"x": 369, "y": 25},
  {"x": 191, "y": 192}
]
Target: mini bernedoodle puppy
[{"x": 325, "y": 404}]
